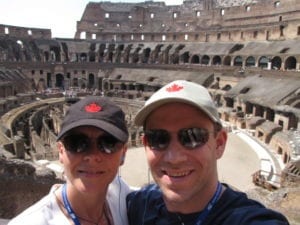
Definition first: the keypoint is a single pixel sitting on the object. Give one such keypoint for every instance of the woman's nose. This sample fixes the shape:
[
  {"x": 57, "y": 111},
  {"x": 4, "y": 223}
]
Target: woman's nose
[{"x": 94, "y": 152}]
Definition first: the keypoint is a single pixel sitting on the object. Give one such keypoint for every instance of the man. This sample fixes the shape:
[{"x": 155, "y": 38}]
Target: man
[{"x": 183, "y": 140}]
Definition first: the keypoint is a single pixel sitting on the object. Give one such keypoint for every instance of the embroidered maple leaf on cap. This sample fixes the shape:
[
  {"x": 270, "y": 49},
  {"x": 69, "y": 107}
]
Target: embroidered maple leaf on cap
[
  {"x": 174, "y": 88},
  {"x": 92, "y": 108}
]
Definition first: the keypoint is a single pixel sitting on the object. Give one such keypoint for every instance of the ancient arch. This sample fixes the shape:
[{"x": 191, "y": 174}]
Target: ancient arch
[
  {"x": 146, "y": 55},
  {"x": 195, "y": 59},
  {"x": 227, "y": 61},
  {"x": 290, "y": 63},
  {"x": 75, "y": 82},
  {"x": 238, "y": 61},
  {"x": 184, "y": 58},
  {"x": 216, "y": 60},
  {"x": 91, "y": 81},
  {"x": 101, "y": 52},
  {"x": 276, "y": 63},
  {"x": 123, "y": 86},
  {"x": 59, "y": 81},
  {"x": 55, "y": 54},
  {"x": 263, "y": 62},
  {"x": 83, "y": 57},
  {"x": 250, "y": 61},
  {"x": 205, "y": 60},
  {"x": 41, "y": 84}
]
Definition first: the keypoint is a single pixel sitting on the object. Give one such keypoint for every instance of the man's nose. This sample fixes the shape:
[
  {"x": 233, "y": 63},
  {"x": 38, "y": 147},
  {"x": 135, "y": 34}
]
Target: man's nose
[{"x": 175, "y": 152}]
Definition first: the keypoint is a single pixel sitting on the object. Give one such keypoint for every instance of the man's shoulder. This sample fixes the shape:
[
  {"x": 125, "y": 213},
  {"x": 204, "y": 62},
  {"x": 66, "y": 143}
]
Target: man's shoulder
[
  {"x": 149, "y": 193},
  {"x": 235, "y": 207},
  {"x": 144, "y": 205},
  {"x": 150, "y": 190}
]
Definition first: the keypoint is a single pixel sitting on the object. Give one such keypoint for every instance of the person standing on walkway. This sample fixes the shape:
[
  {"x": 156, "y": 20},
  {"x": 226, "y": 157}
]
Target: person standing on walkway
[
  {"x": 92, "y": 146},
  {"x": 183, "y": 139}
]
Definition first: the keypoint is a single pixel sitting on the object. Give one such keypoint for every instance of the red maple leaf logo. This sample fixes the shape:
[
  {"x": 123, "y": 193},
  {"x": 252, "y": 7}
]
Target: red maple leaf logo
[
  {"x": 93, "y": 107},
  {"x": 174, "y": 88}
]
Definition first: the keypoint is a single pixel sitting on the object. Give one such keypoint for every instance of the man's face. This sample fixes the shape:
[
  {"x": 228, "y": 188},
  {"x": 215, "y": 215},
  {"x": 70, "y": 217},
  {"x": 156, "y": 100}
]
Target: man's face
[{"x": 185, "y": 175}]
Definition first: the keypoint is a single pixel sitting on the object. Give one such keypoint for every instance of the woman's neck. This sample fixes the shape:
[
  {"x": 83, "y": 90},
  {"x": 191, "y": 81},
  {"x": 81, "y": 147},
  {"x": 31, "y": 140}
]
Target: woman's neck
[{"x": 85, "y": 205}]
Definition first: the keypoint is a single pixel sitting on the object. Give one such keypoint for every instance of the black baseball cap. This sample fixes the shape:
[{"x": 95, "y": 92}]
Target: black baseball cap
[{"x": 98, "y": 112}]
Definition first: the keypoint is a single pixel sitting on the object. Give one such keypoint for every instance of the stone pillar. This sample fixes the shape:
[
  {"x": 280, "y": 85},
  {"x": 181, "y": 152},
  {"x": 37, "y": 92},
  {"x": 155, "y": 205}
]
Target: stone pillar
[{"x": 19, "y": 147}]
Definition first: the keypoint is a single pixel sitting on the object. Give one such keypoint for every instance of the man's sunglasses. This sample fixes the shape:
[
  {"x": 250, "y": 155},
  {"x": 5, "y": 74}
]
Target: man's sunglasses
[
  {"x": 190, "y": 138},
  {"x": 79, "y": 143}
]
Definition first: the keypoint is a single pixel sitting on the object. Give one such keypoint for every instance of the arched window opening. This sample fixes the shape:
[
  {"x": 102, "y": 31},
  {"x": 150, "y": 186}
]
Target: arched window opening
[
  {"x": 205, "y": 60},
  {"x": 227, "y": 61},
  {"x": 6, "y": 30},
  {"x": 83, "y": 57},
  {"x": 59, "y": 81},
  {"x": 185, "y": 57},
  {"x": 123, "y": 87},
  {"x": 83, "y": 35},
  {"x": 250, "y": 61},
  {"x": 290, "y": 63},
  {"x": 195, "y": 59},
  {"x": 238, "y": 61},
  {"x": 276, "y": 63},
  {"x": 263, "y": 62},
  {"x": 216, "y": 60},
  {"x": 91, "y": 80}
]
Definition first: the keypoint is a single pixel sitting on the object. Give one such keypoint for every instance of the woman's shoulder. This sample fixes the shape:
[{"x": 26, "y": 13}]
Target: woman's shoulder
[
  {"x": 42, "y": 212},
  {"x": 34, "y": 214}
]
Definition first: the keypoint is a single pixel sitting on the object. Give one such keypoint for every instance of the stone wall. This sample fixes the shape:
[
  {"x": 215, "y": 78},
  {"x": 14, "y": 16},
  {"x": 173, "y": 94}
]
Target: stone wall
[{"x": 21, "y": 185}]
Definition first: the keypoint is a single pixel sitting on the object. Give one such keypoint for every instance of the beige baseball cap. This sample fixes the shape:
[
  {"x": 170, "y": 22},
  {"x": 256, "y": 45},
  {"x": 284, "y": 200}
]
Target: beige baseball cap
[{"x": 179, "y": 91}]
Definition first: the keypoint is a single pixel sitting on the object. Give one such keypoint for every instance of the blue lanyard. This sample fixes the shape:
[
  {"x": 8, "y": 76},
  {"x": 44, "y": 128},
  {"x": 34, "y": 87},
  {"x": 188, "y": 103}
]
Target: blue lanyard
[
  {"x": 210, "y": 205},
  {"x": 68, "y": 206}
]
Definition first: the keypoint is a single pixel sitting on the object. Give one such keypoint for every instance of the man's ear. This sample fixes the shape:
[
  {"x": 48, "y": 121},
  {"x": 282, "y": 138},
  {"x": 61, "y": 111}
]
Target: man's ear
[
  {"x": 221, "y": 140},
  {"x": 144, "y": 141}
]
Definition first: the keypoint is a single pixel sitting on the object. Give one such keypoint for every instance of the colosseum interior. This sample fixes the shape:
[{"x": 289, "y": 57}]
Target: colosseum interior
[{"x": 247, "y": 53}]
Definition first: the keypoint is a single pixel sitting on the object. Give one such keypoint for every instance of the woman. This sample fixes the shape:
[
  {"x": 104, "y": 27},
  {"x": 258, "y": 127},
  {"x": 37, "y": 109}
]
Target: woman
[{"x": 92, "y": 146}]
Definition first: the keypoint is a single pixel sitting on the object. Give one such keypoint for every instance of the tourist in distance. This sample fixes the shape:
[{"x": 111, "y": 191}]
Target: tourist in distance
[
  {"x": 183, "y": 139},
  {"x": 92, "y": 146}
]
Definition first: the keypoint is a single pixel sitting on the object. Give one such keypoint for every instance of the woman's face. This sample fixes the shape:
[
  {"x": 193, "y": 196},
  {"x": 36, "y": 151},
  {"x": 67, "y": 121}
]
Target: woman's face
[{"x": 93, "y": 170}]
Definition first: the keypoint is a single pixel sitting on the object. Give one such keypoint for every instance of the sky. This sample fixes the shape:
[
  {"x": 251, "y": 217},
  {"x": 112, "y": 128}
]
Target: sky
[{"x": 58, "y": 15}]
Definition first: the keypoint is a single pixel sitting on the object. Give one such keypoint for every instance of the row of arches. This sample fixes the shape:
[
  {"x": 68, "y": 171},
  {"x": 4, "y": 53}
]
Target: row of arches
[
  {"x": 276, "y": 62},
  {"x": 134, "y": 53},
  {"x": 163, "y": 55}
]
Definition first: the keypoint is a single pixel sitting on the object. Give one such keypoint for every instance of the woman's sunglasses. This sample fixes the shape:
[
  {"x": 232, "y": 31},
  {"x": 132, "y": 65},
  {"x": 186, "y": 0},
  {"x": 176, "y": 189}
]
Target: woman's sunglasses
[
  {"x": 79, "y": 143},
  {"x": 190, "y": 138}
]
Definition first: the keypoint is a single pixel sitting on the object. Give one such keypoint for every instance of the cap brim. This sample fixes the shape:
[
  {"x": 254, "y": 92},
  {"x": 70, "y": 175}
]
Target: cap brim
[
  {"x": 142, "y": 115},
  {"x": 105, "y": 126}
]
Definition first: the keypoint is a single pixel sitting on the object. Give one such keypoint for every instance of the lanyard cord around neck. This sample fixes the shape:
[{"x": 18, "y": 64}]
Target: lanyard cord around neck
[
  {"x": 210, "y": 205},
  {"x": 68, "y": 206}
]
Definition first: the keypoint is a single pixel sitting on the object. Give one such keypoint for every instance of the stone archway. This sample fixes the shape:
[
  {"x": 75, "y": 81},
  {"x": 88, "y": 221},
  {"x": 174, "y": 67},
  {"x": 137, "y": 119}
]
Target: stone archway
[
  {"x": 59, "y": 81},
  {"x": 250, "y": 61},
  {"x": 238, "y": 61},
  {"x": 205, "y": 60},
  {"x": 290, "y": 63},
  {"x": 195, "y": 59},
  {"x": 276, "y": 63}
]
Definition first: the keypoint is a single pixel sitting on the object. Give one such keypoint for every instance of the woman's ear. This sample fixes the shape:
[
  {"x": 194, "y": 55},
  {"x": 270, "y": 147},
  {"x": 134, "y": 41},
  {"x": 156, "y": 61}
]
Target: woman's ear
[
  {"x": 60, "y": 148},
  {"x": 122, "y": 159}
]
